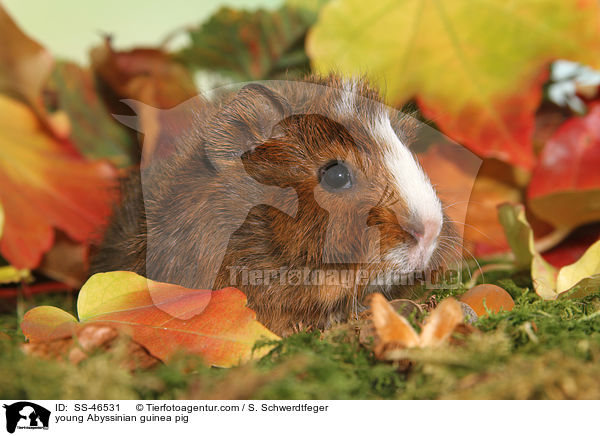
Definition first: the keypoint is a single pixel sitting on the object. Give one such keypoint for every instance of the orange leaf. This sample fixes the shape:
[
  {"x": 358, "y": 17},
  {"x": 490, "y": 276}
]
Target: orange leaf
[
  {"x": 44, "y": 185},
  {"x": 145, "y": 74},
  {"x": 164, "y": 318}
]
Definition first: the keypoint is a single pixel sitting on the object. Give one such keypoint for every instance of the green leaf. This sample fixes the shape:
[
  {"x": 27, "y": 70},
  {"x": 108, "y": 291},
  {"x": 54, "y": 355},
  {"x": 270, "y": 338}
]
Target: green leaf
[
  {"x": 246, "y": 45},
  {"x": 518, "y": 233},
  {"x": 95, "y": 133}
]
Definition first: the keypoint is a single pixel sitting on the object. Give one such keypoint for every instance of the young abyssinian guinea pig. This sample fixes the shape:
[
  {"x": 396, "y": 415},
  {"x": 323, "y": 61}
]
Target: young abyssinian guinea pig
[{"x": 303, "y": 195}]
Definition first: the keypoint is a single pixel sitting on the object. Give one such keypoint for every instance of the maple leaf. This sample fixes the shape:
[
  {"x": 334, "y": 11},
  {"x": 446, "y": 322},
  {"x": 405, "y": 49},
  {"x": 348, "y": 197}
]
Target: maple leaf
[
  {"x": 162, "y": 317},
  {"x": 475, "y": 68},
  {"x": 565, "y": 184},
  {"x": 575, "y": 280},
  {"x": 44, "y": 185}
]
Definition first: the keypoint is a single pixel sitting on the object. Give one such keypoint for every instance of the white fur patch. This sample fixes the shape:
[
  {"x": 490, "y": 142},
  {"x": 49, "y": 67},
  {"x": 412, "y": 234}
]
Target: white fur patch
[
  {"x": 347, "y": 103},
  {"x": 412, "y": 184},
  {"x": 411, "y": 180}
]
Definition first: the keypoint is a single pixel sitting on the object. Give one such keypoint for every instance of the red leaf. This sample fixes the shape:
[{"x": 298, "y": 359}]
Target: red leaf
[
  {"x": 565, "y": 185},
  {"x": 503, "y": 131}
]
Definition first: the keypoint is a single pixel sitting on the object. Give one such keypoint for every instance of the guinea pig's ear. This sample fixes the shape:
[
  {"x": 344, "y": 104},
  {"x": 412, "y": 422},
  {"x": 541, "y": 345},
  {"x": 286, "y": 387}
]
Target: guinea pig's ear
[{"x": 244, "y": 122}]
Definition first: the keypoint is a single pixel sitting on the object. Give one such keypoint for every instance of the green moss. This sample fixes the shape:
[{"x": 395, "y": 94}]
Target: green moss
[{"x": 541, "y": 349}]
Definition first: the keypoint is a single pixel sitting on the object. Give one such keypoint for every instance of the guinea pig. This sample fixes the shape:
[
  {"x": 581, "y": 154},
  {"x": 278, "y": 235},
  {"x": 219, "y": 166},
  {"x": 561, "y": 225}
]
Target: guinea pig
[{"x": 303, "y": 195}]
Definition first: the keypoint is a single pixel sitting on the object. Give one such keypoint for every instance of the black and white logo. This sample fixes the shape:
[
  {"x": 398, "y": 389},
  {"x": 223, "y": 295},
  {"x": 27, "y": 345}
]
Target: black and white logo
[{"x": 26, "y": 415}]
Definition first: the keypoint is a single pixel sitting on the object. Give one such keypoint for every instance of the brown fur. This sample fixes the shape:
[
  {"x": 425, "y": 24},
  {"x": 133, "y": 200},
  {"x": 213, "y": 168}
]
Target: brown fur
[{"x": 184, "y": 219}]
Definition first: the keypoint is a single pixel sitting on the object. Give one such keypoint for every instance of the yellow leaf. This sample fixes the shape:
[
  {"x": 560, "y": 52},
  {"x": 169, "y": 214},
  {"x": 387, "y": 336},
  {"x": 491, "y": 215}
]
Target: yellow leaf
[
  {"x": 475, "y": 67},
  {"x": 573, "y": 281},
  {"x": 10, "y": 274},
  {"x": 586, "y": 267}
]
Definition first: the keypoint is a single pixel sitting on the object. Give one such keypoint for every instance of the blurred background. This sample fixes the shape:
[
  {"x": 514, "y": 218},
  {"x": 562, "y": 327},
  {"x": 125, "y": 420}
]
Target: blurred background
[{"x": 134, "y": 23}]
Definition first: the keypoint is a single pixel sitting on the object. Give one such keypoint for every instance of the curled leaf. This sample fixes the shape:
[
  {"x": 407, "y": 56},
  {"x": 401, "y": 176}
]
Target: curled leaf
[
  {"x": 441, "y": 323},
  {"x": 392, "y": 329},
  {"x": 583, "y": 274},
  {"x": 576, "y": 280},
  {"x": 394, "y": 333}
]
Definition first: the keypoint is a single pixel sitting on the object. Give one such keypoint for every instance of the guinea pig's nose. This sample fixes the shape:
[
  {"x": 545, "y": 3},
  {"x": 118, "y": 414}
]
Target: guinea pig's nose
[{"x": 425, "y": 231}]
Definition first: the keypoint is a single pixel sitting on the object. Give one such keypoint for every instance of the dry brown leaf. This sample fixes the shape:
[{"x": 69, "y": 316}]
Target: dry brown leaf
[
  {"x": 441, "y": 323},
  {"x": 393, "y": 332}
]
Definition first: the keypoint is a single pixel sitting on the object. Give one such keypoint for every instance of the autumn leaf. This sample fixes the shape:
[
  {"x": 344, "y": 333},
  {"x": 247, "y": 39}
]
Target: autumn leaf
[
  {"x": 394, "y": 333},
  {"x": 163, "y": 318},
  {"x": 574, "y": 246},
  {"x": 44, "y": 185},
  {"x": 471, "y": 191},
  {"x": 93, "y": 131},
  {"x": 60, "y": 336},
  {"x": 24, "y": 64},
  {"x": 145, "y": 80},
  {"x": 576, "y": 280},
  {"x": 48, "y": 323},
  {"x": 252, "y": 45},
  {"x": 565, "y": 184},
  {"x": 475, "y": 68},
  {"x": 483, "y": 230},
  {"x": 149, "y": 75},
  {"x": 583, "y": 274}
]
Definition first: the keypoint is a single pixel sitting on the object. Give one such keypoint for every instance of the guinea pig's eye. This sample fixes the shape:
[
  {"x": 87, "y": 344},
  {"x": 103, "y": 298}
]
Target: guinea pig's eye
[{"x": 335, "y": 176}]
